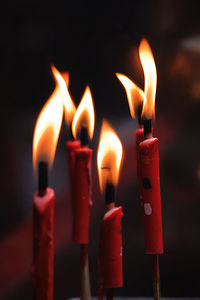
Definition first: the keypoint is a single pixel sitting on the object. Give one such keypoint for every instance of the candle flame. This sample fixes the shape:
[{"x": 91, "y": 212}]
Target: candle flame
[
  {"x": 134, "y": 94},
  {"x": 150, "y": 73},
  {"x": 48, "y": 126},
  {"x": 69, "y": 106},
  {"x": 109, "y": 156},
  {"x": 84, "y": 114}
]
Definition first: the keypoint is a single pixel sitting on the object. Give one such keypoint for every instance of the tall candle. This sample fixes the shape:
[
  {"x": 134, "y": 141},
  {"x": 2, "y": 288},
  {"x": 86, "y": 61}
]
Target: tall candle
[
  {"x": 83, "y": 123},
  {"x": 44, "y": 146},
  {"x": 149, "y": 160},
  {"x": 110, "y": 273}
]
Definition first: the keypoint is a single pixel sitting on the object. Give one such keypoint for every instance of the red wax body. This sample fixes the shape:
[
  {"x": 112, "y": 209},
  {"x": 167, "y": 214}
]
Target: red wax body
[
  {"x": 110, "y": 250},
  {"x": 71, "y": 147},
  {"x": 152, "y": 217},
  {"x": 43, "y": 245},
  {"x": 82, "y": 195}
]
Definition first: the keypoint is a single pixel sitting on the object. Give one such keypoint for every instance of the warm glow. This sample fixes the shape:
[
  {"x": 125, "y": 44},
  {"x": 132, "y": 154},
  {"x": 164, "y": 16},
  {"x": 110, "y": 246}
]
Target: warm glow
[
  {"x": 47, "y": 129},
  {"x": 84, "y": 114},
  {"x": 109, "y": 156},
  {"x": 150, "y": 74},
  {"x": 134, "y": 94},
  {"x": 63, "y": 80}
]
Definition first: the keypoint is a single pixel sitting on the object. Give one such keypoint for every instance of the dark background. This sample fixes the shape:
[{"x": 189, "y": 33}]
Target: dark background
[{"x": 93, "y": 40}]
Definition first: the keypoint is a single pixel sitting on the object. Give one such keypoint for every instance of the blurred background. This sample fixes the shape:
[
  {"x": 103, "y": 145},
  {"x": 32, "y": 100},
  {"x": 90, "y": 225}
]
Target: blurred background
[{"x": 93, "y": 40}]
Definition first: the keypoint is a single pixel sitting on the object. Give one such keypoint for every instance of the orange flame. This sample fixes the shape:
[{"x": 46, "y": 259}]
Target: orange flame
[
  {"x": 109, "y": 156},
  {"x": 48, "y": 126},
  {"x": 69, "y": 106},
  {"x": 84, "y": 114},
  {"x": 150, "y": 73},
  {"x": 134, "y": 94}
]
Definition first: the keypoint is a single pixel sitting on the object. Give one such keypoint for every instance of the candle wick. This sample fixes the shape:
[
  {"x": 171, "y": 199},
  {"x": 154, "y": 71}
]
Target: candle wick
[
  {"x": 84, "y": 137},
  {"x": 42, "y": 178},
  {"x": 147, "y": 128},
  {"x": 109, "y": 193}
]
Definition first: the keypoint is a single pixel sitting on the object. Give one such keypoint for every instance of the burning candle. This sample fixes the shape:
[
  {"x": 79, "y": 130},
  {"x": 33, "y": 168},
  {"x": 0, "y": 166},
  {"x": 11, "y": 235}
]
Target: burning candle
[
  {"x": 110, "y": 274},
  {"x": 45, "y": 140},
  {"x": 150, "y": 159},
  {"x": 149, "y": 162},
  {"x": 147, "y": 158},
  {"x": 83, "y": 125}
]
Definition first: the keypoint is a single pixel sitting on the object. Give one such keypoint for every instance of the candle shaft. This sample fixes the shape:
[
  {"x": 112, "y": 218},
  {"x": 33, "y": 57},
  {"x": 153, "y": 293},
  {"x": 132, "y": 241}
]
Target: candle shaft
[
  {"x": 42, "y": 178},
  {"x": 82, "y": 195},
  {"x": 152, "y": 216},
  {"x": 43, "y": 245},
  {"x": 110, "y": 249}
]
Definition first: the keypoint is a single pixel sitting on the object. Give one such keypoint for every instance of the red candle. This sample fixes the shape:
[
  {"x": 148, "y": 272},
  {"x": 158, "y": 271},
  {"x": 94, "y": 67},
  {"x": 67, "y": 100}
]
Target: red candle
[
  {"x": 83, "y": 122},
  {"x": 81, "y": 170},
  {"x": 138, "y": 99},
  {"x": 110, "y": 273},
  {"x": 149, "y": 158},
  {"x": 110, "y": 249},
  {"x": 45, "y": 139},
  {"x": 149, "y": 166},
  {"x": 82, "y": 195}
]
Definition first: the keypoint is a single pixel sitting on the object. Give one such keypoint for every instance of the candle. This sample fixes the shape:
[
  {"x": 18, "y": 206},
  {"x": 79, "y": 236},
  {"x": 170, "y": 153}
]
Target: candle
[
  {"x": 149, "y": 159},
  {"x": 45, "y": 139},
  {"x": 83, "y": 123},
  {"x": 110, "y": 274}
]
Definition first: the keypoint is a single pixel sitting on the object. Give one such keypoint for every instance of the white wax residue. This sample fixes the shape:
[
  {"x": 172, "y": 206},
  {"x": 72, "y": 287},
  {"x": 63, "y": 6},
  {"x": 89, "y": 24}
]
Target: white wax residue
[{"x": 147, "y": 209}]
